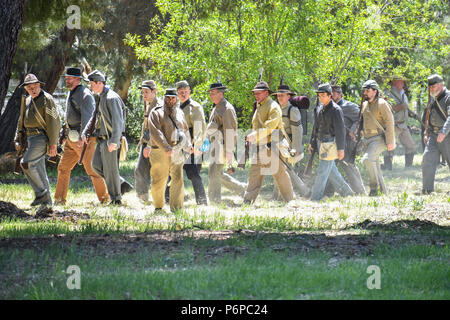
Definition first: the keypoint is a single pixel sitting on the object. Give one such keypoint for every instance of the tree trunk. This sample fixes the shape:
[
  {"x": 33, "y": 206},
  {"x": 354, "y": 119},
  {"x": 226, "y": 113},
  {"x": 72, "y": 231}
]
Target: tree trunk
[
  {"x": 8, "y": 122},
  {"x": 11, "y": 19},
  {"x": 123, "y": 75}
]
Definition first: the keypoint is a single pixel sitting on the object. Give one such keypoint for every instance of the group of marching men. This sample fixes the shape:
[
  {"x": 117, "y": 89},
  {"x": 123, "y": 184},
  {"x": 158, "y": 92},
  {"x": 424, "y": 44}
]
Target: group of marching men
[{"x": 175, "y": 135}]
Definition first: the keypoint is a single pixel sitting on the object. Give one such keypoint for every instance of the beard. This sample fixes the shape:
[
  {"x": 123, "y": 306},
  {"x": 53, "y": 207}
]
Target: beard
[{"x": 434, "y": 94}]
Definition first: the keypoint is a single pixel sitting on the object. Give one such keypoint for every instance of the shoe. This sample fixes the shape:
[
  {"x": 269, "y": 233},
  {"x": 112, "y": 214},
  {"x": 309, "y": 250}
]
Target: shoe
[
  {"x": 44, "y": 200},
  {"x": 60, "y": 202},
  {"x": 115, "y": 203},
  {"x": 125, "y": 187},
  {"x": 202, "y": 201}
]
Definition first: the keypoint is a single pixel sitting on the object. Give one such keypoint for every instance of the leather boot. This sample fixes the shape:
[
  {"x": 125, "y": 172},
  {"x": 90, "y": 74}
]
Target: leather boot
[
  {"x": 409, "y": 160},
  {"x": 387, "y": 163}
]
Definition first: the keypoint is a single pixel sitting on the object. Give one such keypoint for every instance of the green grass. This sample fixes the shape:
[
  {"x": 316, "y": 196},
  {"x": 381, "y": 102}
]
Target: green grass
[
  {"x": 268, "y": 250},
  {"x": 253, "y": 271}
]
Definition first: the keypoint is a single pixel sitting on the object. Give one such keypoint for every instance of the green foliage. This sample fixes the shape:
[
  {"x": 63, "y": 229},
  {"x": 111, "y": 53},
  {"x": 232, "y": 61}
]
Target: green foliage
[
  {"x": 308, "y": 42},
  {"x": 135, "y": 114}
]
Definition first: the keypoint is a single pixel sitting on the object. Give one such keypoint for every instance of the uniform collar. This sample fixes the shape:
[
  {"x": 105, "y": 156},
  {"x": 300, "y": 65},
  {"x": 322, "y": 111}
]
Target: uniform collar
[
  {"x": 185, "y": 104},
  {"x": 266, "y": 100},
  {"x": 75, "y": 89},
  {"x": 444, "y": 91}
]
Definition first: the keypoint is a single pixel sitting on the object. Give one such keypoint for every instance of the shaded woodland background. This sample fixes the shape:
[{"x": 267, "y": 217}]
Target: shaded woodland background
[{"x": 306, "y": 41}]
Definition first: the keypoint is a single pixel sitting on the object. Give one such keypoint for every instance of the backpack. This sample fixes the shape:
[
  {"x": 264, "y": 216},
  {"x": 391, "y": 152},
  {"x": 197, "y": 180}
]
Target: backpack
[{"x": 302, "y": 103}]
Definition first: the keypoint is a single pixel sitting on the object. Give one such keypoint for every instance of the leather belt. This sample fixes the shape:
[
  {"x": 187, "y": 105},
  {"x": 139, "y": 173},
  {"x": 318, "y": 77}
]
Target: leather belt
[
  {"x": 33, "y": 131},
  {"x": 77, "y": 128},
  {"x": 435, "y": 129},
  {"x": 330, "y": 139}
]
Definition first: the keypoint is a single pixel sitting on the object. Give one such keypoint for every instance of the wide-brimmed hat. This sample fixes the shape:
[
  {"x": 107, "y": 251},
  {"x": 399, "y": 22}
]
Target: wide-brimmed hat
[
  {"x": 73, "y": 72},
  {"x": 150, "y": 84},
  {"x": 434, "y": 78},
  {"x": 324, "y": 87},
  {"x": 262, "y": 86},
  {"x": 217, "y": 86},
  {"x": 370, "y": 84},
  {"x": 96, "y": 76},
  {"x": 284, "y": 88},
  {"x": 29, "y": 79},
  {"x": 171, "y": 92}
]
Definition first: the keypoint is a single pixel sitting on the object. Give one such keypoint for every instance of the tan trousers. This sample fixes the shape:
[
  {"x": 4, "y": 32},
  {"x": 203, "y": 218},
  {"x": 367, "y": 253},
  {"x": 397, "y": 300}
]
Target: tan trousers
[
  {"x": 268, "y": 163},
  {"x": 161, "y": 168},
  {"x": 68, "y": 161}
]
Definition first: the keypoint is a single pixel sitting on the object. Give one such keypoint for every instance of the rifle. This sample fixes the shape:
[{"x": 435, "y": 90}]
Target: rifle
[
  {"x": 244, "y": 159},
  {"x": 89, "y": 131},
  {"x": 414, "y": 115},
  {"x": 308, "y": 169},
  {"x": 427, "y": 116},
  {"x": 357, "y": 132},
  {"x": 297, "y": 181},
  {"x": 23, "y": 144}
]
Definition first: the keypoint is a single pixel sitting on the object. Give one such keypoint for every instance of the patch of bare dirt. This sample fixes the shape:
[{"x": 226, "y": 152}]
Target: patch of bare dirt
[
  {"x": 215, "y": 244},
  {"x": 398, "y": 225},
  {"x": 46, "y": 213},
  {"x": 10, "y": 211}
]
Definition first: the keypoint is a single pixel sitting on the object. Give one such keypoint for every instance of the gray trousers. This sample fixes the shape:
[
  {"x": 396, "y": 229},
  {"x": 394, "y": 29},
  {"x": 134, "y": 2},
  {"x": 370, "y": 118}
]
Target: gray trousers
[
  {"x": 36, "y": 172},
  {"x": 142, "y": 173},
  {"x": 106, "y": 164},
  {"x": 371, "y": 159},
  {"x": 217, "y": 177},
  {"x": 353, "y": 177},
  {"x": 431, "y": 159}
]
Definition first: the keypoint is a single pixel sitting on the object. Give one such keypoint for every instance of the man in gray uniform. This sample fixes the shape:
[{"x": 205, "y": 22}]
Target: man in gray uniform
[
  {"x": 79, "y": 108},
  {"x": 400, "y": 109},
  {"x": 109, "y": 125},
  {"x": 351, "y": 116},
  {"x": 142, "y": 171},
  {"x": 437, "y": 124},
  {"x": 39, "y": 124}
]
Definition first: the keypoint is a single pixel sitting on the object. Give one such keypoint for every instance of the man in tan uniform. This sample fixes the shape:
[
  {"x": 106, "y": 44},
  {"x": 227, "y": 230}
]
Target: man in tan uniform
[
  {"x": 292, "y": 123},
  {"x": 195, "y": 119},
  {"x": 378, "y": 134},
  {"x": 79, "y": 108},
  {"x": 170, "y": 141},
  {"x": 400, "y": 107},
  {"x": 142, "y": 171},
  {"x": 40, "y": 124},
  {"x": 266, "y": 119},
  {"x": 222, "y": 132}
]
